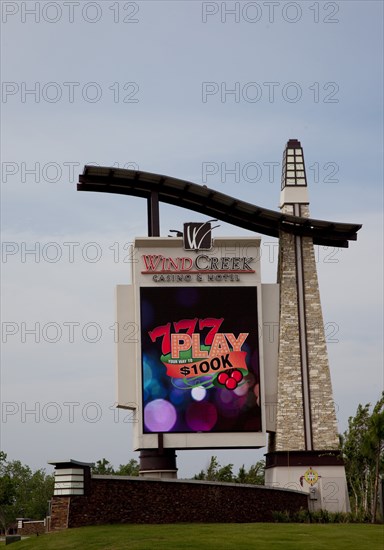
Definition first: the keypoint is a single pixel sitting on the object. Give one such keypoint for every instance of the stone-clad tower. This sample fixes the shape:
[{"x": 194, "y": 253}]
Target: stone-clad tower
[{"x": 303, "y": 452}]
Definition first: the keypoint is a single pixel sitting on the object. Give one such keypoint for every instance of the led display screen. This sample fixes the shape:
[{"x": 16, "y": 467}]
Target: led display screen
[{"x": 200, "y": 359}]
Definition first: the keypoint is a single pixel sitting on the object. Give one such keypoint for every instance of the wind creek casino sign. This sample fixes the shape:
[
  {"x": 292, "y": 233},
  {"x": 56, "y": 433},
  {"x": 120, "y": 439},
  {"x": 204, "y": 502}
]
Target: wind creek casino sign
[
  {"x": 182, "y": 269},
  {"x": 196, "y": 236},
  {"x": 193, "y": 368}
]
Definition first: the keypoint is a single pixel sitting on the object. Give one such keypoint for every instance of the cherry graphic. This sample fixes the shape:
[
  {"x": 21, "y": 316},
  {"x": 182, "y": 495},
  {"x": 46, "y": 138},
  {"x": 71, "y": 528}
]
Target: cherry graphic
[
  {"x": 231, "y": 384},
  {"x": 222, "y": 378},
  {"x": 230, "y": 379},
  {"x": 236, "y": 374}
]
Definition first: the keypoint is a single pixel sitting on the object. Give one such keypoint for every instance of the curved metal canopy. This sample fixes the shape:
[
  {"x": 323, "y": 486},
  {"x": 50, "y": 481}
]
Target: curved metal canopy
[{"x": 213, "y": 204}]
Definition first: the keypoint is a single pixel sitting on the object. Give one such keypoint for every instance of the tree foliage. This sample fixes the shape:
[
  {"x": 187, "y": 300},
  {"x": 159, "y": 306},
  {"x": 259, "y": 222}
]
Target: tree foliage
[
  {"x": 129, "y": 469},
  {"x": 363, "y": 452},
  {"x": 104, "y": 467},
  {"x": 216, "y": 472},
  {"x": 23, "y": 493}
]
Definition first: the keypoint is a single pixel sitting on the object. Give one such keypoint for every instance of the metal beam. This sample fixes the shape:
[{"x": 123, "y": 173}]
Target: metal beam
[{"x": 199, "y": 198}]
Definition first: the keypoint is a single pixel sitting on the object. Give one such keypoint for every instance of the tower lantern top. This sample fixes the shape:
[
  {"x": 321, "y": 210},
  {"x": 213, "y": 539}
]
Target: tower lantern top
[
  {"x": 293, "y": 144},
  {"x": 293, "y": 179}
]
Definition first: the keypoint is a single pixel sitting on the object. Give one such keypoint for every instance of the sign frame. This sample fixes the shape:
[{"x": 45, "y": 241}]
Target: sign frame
[{"x": 231, "y": 262}]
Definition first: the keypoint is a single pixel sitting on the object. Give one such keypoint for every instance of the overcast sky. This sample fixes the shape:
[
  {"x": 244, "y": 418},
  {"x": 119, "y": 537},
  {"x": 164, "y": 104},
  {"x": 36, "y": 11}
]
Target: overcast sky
[{"x": 191, "y": 90}]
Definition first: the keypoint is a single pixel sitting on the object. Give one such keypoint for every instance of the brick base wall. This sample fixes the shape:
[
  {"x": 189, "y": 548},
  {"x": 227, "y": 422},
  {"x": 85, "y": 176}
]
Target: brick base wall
[
  {"x": 32, "y": 528},
  {"x": 135, "y": 500}
]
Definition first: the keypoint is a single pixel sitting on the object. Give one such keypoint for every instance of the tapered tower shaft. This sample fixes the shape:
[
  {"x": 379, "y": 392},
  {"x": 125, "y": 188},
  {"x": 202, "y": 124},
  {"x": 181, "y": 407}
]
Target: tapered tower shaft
[{"x": 306, "y": 417}]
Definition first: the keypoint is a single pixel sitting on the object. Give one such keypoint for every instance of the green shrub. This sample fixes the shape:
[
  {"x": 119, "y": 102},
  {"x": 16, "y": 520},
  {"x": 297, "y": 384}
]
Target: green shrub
[
  {"x": 319, "y": 516},
  {"x": 281, "y": 517}
]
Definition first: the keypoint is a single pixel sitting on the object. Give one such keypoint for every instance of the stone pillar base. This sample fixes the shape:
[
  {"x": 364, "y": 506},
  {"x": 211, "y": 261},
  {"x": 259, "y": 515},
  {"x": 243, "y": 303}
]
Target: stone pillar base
[
  {"x": 158, "y": 463},
  {"x": 321, "y": 474}
]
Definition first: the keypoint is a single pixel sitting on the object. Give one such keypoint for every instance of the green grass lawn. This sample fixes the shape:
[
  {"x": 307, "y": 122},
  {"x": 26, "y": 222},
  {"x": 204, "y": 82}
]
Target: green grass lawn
[{"x": 212, "y": 536}]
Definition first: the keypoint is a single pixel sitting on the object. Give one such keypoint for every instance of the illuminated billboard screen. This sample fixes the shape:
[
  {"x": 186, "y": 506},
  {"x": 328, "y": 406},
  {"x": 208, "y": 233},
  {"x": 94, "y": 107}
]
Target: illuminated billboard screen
[{"x": 200, "y": 359}]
